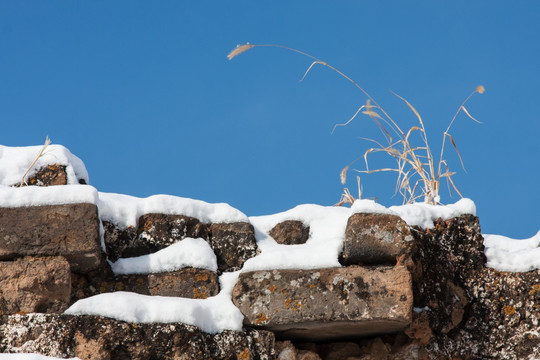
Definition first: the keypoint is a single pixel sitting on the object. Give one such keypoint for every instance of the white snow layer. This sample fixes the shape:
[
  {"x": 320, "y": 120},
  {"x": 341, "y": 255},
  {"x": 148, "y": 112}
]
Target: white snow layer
[
  {"x": 125, "y": 210},
  {"x": 212, "y": 315},
  {"x": 186, "y": 253},
  {"x": 506, "y": 254},
  {"x": 327, "y": 229},
  {"x": 15, "y": 161},
  {"x": 47, "y": 195},
  {"x": 26, "y": 356},
  {"x": 215, "y": 314}
]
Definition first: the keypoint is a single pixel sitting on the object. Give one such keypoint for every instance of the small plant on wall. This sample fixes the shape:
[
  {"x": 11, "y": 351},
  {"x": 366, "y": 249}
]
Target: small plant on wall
[{"x": 419, "y": 172}]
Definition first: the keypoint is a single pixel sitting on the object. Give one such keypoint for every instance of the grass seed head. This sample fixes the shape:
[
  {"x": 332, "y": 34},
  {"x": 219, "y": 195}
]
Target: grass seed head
[{"x": 238, "y": 50}]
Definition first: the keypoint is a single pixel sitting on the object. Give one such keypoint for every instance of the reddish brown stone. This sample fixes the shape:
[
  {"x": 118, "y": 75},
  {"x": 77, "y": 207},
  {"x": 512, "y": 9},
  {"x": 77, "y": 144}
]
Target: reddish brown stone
[
  {"x": 187, "y": 282},
  {"x": 69, "y": 230},
  {"x": 326, "y": 303},
  {"x": 35, "y": 285},
  {"x": 290, "y": 232},
  {"x": 49, "y": 175},
  {"x": 374, "y": 239}
]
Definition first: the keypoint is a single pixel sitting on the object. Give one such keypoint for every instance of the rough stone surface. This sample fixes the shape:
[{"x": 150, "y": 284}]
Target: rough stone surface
[
  {"x": 48, "y": 175},
  {"x": 121, "y": 242},
  {"x": 187, "y": 282},
  {"x": 375, "y": 239},
  {"x": 158, "y": 231},
  {"x": 326, "y": 303},
  {"x": 474, "y": 312},
  {"x": 290, "y": 232},
  {"x": 154, "y": 232},
  {"x": 233, "y": 244},
  {"x": 69, "y": 230},
  {"x": 97, "y": 338},
  {"x": 35, "y": 285}
]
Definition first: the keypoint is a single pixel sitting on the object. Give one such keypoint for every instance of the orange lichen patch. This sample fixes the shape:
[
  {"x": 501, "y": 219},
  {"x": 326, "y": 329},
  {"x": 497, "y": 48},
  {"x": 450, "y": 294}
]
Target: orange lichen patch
[
  {"x": 135, "y": 326},
  {"x": 509, "y": 310},
  {"x": 201, "y": 277},
  {"x": 119, "y": 286},
  {"x": 21, "y": 313},
  {"x": 140, "y": 281},
  {"x": 261, "y": 318},
  {"x": 272, "y": 288},
  {"x": 103, "y": 287},
  {"x": 297, "y": 305},
  {"x": 312, "y": 286},
  {"x": 284, "y": 292},
  {"x": 287, "y": 303},
  {"x": 148, "y": 225},
  {"x": 197, "y": 294},
  {"x": 244, "y": 355}
]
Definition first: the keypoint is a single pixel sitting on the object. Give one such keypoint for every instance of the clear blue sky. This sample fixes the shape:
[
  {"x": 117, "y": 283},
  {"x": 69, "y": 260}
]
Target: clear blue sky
[{"x": 143, "y": 93}]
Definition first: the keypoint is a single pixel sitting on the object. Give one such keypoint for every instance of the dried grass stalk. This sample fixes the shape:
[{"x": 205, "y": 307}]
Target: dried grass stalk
[{"x": 40, "y": 154}]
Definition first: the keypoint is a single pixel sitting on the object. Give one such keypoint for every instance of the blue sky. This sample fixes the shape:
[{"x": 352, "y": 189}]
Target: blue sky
[{"x": 143, "y": 93}]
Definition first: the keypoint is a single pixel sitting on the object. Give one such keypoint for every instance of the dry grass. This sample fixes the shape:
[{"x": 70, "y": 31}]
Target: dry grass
[
  {"x": 40, "y": 154},
  {"x": 418, "y": 174}
]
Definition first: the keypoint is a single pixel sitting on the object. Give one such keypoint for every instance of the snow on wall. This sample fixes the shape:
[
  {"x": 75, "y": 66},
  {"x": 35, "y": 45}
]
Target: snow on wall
[{"x": 327, "y": 227}]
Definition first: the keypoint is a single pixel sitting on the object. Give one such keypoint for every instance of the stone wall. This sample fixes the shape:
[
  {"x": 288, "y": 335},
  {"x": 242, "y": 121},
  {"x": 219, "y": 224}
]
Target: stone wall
[{"x": 402, "y": 292}]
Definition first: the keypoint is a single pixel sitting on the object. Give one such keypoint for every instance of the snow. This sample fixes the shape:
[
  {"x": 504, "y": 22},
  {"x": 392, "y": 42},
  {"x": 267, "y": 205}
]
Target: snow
[
  {"x": 186, "y": 253},
  {"x": 125, "y": 210},
  {"x": 30, "y": 357},
  {"x": 327, "y": 229},
  {"x": 14, "y": 161},
  {"x": 506, "y": 254},
  {"x": 50, "y": 195},
  {"x": 214, "y": 314},
  {"x": 423, "y": 214}
]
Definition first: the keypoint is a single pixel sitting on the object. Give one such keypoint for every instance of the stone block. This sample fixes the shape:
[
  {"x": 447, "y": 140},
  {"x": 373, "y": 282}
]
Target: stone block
[
  {"x": 154, "y": 232},
  {"x": 290, "y": 232},
  {"x": 233, "y": 244},
  {"x": 94, "y": 337},
  {"x": 35, "y": 285},
  {"x": 372, "y": 239},
  {"x": 188, "y": 282},
  {"x": 70, "y": 230},
  {"x": 324, "y": 304}
]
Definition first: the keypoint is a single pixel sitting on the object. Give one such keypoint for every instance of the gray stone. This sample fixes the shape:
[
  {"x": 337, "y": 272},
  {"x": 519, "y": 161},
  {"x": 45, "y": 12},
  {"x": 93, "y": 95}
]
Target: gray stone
[
  {"x": 374, "y": 239},
  {"x": 35, "y": 285},
  {"x": 70, "y": 230},
  {"x": 326, "y": 303}
]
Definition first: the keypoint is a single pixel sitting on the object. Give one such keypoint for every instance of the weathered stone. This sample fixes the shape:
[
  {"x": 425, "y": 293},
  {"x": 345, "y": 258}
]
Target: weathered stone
[
  {"x": 94, "y": 337},
  {"x": 154, "y": 232},
  {"x": 70, "y": 230},
  {"x": 49, "y": 175},
  {"x": 158, "y": 231},
  {"x": 188, "y": 283},
  {"x": 374, "y": 239},
  {"x": 326, "y": 303},
  {"x": 474, "y": 312},
  {"x": 340, "y": 350},
  {"x": 290, "y": 232},
  {"x": 35, "y": 285},
  {"x": 121, "y": 242},
  {"x": 233, "y": 244}
]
